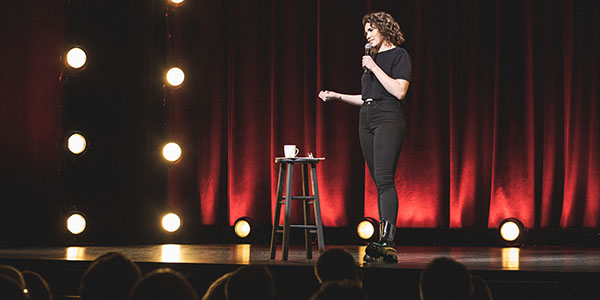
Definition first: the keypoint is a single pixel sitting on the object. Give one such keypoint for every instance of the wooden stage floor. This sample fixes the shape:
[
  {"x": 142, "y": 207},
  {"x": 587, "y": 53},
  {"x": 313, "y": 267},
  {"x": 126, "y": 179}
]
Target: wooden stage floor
[
  {"x": 512, "y": 273},
  {"x": 542, "y": 259}
]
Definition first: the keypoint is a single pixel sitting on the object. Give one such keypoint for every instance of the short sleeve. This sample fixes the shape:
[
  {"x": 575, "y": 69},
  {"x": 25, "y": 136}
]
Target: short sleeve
[{"x": 401, "y": 68}]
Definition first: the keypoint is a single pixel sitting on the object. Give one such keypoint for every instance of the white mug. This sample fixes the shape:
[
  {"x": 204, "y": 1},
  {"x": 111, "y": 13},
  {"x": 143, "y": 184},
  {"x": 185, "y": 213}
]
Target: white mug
[{"x": 290, "y": 151}]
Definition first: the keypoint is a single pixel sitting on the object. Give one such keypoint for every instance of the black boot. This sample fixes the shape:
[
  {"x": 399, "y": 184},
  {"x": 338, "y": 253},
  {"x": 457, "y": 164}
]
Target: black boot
[{"x": 383, "y": 250}]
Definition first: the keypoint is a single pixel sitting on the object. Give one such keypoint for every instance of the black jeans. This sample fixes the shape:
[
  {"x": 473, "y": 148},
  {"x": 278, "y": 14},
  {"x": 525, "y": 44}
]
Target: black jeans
[{"x": 382, "y": 128}]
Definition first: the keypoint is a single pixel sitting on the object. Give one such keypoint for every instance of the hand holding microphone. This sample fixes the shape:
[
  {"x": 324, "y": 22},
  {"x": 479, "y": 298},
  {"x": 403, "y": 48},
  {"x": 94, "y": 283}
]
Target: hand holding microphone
[{"x": 367, "y": 54}]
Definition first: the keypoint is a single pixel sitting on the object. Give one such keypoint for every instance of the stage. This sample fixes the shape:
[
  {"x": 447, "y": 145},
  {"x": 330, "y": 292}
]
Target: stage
[{"x": 512, "y": 273}]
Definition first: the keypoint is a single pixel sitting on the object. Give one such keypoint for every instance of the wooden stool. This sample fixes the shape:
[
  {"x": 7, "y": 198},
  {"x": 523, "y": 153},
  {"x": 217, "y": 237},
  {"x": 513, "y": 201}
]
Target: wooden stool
[{"x": 286, "y": 172}]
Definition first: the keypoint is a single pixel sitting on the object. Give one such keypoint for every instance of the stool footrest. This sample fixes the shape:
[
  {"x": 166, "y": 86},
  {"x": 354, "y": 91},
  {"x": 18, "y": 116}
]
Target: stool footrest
[
  {"x": 300, "y": 197},
  {"x": 313, "y": 231},
  {"x": 304, "y": 226},
  {"x": 314, "y": 227},
  {"x": 307, "y": 202}
]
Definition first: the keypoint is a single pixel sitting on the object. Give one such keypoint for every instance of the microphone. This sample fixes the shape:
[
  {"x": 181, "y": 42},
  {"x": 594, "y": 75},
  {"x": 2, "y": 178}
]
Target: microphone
[{"x": 367, "y": 52}]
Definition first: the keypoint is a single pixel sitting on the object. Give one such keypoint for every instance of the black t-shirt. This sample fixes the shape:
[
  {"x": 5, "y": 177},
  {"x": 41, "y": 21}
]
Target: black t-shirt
[{"x": 394, "y": 62}]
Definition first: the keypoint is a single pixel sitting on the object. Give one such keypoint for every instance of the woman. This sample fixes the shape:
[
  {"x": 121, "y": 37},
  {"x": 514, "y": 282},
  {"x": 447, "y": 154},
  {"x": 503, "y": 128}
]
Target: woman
[{"x": 382, "y": 124}]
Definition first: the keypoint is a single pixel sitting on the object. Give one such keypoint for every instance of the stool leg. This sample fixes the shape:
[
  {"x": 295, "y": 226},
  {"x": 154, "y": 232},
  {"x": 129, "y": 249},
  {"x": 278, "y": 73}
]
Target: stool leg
[
  {"x": 278, "y": 199},
  {"x": 306, "y": 209},
  {"x": 288, "y": 210},
  {"x": 317, "y": 206}
]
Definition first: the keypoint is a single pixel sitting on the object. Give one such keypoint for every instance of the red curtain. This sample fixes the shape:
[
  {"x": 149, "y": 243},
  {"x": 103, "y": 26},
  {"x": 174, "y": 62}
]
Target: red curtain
[
  {"x": 32, "y": 36},
  {"x": 501, "y": 109}
]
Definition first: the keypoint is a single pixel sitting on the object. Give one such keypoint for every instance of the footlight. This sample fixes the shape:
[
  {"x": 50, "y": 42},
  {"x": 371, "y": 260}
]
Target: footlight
[
  {"x": 512, "y": 231},
  {"x": 367, "y": 228},
  {"x": 76, "y": 223},
  {"x": 171, "y": 222},
  {"x": 243, "y": 228}
]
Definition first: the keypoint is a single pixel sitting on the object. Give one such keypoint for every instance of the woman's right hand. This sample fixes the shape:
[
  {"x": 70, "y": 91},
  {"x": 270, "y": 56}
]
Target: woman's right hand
[{"x": 328, "y": 95}]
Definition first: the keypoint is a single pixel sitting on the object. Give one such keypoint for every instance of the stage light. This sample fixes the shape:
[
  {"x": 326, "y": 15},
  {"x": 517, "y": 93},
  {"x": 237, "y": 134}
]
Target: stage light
[
  {"x": 175, "y": 77},
  {"x": 76, "y": 58},
  {"x": 367, "y": 229},
  {"x": 171, "y": 222},
  {"x": 76, "y": 143},
  {"x": 176, "y": 2},
  {"x": 171, "y": 152},
  {"x": 76, "y": 223},
  {"x": 243, "y": 227},
  {"x": 511, "y": 231}
]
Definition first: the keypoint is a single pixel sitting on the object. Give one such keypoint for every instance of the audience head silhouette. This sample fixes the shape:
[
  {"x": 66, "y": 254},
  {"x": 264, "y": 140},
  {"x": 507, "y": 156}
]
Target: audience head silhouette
[
  {"x": 481, "y": 291},
  {"x": 336, "y": 264},
  {"x": 216, "y": 291},
  {"x": 14, "y": 273},
  {"x": 340, "y": 289},
  {"x": 110, "y": 276},
  {"x": 11, "y": 289},
  {"x": 445, "y": 278},
  {"x": 251, "y": 283},
  {"x": 163, "y": 284},
  {"x": 37, "y": 287}
]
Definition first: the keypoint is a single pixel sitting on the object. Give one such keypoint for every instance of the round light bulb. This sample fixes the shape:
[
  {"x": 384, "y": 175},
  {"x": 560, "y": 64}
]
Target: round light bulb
[
  {"x": 365, "y": 230},
  {"x": 171, "y": 222},
  {"x": 76, "y": 223},
  {"x": 76, "y": 143},
  {"x": 242, "y": 228},
  {"x": 171, "y": 152},
  {"x": 175, "y": 77},
  {"x": 76, "y": 58},
  {"x": 510, "y": 231}
]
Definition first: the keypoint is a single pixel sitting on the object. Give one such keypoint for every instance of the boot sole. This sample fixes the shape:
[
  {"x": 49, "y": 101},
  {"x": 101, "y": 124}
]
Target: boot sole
[{"x": 380, "y": 252}]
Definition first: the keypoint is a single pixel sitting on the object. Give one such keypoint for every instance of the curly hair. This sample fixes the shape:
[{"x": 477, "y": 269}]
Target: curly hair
[{"x": 386, "y": 24}]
